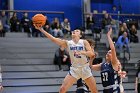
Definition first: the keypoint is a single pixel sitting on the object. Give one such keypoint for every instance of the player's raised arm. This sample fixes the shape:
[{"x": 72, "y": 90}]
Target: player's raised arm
[
  {"x": 58, "y": 41},
  {"x": 96, "y": 67},
  {"x": 114, "y": 60}
]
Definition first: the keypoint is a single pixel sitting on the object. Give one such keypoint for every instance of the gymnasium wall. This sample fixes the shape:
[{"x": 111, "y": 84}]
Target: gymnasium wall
[
  {"x": 0, "y": 4},
  {"x": 127, "y": 6},
  {"x": 130, "y": 6},
  {"x": 101, "y": 5},
  {"x": 71, "y": 8},
  {"x": 3, "y": 4}
]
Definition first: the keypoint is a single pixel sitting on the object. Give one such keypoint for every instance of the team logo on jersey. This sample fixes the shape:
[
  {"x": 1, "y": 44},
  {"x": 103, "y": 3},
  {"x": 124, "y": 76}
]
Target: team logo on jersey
[{"x": 76, "y": 47}]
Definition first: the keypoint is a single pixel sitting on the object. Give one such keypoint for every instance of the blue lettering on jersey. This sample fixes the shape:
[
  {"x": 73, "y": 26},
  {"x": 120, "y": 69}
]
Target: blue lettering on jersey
[{"x": 76, "y": 48}]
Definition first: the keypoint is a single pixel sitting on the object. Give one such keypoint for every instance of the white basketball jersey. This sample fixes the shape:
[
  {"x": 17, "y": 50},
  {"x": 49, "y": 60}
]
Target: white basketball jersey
[{"x": 77, "y": 60}]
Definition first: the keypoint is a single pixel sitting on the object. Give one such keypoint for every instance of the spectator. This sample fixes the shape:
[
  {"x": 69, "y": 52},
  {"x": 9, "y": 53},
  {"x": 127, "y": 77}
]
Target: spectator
[
  {"x": 47, "y": 25},
  {"x": 133, "y": 34},
  {"x": 90, "y": 21},
  {"x": 126, "y": 29},
  {"x": 35, "y": 32},
  {"x": 1, "y": 30},
  {"x": 56, "y": 28},
  {"x": 66, "y": 27},
  {"x": 15, "y": 23},
  {"x": 123, "y": 43},
  {"x": 61, "y": 57},
  {"x": 4, "y": 20},
  {"x": 106, "y": 22},
  {"x": 137, "y": 82},
  {"x": 26, "y": 24},
  {"x": 121, "y": 31},
  {"x": 114, "y": 11}
]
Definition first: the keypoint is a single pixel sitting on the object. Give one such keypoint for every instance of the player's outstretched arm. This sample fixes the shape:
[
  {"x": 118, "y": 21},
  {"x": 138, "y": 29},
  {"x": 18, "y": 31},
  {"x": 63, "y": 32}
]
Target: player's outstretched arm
[
  {"x": 96, "y": 67},
  {"x": 58, "y": 41},
  {"x": 113, "y": 51}
]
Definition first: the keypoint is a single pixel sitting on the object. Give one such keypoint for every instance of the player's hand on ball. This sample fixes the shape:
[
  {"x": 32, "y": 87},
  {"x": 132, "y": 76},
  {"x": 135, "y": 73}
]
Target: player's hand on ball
[
  {"x": 37, "y": 27},
  {"x": 39, "y": 21}
]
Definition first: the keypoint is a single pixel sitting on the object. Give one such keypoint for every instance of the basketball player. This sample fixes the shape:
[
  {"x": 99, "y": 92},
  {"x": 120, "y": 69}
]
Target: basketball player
[
  {"x": 109, "y": 69},
  {"x": 79, "y": 50},
  {"x": 122, "y": 75},
  {"x": 1, "y": 87}
]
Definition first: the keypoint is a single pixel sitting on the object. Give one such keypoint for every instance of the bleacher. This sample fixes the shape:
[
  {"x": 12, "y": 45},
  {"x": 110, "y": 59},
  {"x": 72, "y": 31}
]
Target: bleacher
[{"x": 27, "y": 65}]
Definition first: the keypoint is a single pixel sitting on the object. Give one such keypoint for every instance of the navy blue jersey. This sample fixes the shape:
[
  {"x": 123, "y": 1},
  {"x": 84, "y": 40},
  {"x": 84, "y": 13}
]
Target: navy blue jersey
[{"x": 108, "y": 75}]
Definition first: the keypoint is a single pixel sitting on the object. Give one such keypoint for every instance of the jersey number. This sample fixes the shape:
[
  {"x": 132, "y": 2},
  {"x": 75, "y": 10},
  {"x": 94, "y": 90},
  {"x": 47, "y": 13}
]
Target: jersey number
[
  {"x": 105, "y": 76},
  {"x": 77, "y": 55}
]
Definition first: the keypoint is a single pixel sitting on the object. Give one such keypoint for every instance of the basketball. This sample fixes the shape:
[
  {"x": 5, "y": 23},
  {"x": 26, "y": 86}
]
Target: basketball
[{"x": 39, "y": 20}]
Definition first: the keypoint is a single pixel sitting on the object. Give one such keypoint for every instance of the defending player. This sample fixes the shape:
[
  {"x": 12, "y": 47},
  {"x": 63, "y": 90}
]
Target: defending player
[{"x": 109, "y": 69}]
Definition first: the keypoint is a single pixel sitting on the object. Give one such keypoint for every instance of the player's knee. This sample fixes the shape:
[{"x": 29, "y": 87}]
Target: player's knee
[{"x": 62, "y": 89}]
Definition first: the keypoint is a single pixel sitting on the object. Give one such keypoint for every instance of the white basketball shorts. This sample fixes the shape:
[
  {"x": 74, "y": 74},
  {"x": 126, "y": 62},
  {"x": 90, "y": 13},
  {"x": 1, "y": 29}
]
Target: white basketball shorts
[{"x": 83, "y": 72}]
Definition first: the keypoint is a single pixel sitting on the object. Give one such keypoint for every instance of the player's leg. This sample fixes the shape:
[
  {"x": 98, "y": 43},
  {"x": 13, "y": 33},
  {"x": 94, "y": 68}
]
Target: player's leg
[
  {"x": 91, "y": 84},
  {"x": 67, "y": 83}
]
